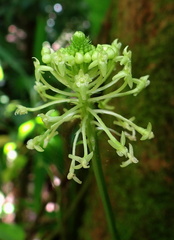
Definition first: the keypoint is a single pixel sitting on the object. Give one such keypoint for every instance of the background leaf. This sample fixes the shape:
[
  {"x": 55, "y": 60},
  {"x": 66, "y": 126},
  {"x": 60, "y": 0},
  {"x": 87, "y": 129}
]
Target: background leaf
[{"x": 11, "y": 232}]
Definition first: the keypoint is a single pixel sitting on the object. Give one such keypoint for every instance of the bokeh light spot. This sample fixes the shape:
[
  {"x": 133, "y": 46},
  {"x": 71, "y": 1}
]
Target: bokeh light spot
[
  {"x": 26, "y": 128},
  {"x": 9, "y": 147},
  {"x": 56, "y": 181},
  {"x": 58, "y": 7},
  {"x": 11, "y": 156},
  {"x": 52, "y": 207},
  {"x": 4, "y": 99},
  {"x": 8, "y": 208},
  {"x": 50, "y": 22}
]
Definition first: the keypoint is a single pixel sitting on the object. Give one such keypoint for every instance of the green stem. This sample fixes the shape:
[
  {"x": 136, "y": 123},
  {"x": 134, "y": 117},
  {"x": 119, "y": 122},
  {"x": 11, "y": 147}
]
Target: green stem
[{"x": 98, "y": 171}]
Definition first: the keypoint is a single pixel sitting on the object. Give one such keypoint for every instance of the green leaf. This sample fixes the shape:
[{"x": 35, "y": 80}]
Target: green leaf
[
  {"x": 11, "y": 60},
  {"x": 39, "y": 179},
  {"x": 97, "y": 13},
  {"x": 14, "y": 170},
  {"x": 11, "y": 232}
]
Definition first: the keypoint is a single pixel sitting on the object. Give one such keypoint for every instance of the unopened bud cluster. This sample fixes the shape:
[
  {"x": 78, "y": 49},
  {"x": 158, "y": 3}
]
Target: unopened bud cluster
[{"x": 85, "y": 71}]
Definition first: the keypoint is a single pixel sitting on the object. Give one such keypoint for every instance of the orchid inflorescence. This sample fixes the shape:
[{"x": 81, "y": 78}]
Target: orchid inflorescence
[{"x": 85, "y": 71}]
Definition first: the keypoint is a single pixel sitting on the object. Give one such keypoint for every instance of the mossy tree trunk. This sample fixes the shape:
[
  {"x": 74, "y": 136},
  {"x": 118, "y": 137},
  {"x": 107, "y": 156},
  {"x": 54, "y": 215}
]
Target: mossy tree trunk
[
  {"x": 147, "y": 28},
  {"x": 140, "y": 194}
]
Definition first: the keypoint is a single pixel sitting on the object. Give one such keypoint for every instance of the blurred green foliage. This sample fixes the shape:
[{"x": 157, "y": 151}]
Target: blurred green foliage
[
  {"x": 97, "y": 13},
  {"x": 7, "y": 232},
  {"x": 141, "y": 195}
]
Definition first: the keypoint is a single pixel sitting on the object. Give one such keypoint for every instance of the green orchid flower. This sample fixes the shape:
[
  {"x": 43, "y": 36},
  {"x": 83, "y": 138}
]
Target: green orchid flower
[{"x": 85, "y": 72}]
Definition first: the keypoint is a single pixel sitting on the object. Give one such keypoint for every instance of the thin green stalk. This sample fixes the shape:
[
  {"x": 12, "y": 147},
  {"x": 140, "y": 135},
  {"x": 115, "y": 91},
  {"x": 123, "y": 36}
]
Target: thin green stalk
[{"x": 98, "y": 171}]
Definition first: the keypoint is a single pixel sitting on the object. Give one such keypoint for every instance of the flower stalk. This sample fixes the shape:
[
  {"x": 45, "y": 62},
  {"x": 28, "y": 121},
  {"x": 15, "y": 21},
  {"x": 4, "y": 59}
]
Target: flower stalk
[{"x": 100, "y": 180}]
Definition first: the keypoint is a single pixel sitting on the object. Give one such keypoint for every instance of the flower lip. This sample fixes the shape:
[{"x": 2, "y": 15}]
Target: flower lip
[{"x": 21, "y": 110}]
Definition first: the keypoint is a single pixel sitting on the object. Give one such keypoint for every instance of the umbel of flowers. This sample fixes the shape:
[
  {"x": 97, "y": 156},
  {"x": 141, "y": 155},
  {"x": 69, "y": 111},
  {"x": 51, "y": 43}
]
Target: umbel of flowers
[{"x": 85, "y": 71}]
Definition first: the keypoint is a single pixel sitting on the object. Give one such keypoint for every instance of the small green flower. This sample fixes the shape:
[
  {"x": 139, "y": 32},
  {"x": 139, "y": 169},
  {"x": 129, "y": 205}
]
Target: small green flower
[{"x": 85, "y": 71}]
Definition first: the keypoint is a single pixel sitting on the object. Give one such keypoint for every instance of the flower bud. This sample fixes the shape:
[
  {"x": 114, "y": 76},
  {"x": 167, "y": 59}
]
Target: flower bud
[
  {"x": 110, "y": 52},
  {"x": 95, "y": 55},
  {"x": 79, "y": 58},
  {"x": 46, "y": 58},
  {"x": 45, "y": 50},
  {"x": 87, "y": 57}
]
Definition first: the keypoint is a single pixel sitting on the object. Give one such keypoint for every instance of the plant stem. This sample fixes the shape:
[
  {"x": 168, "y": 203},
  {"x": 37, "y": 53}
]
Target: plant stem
[{"x": 98, "y": 171}]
